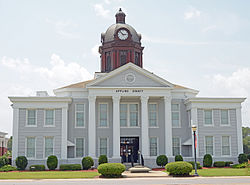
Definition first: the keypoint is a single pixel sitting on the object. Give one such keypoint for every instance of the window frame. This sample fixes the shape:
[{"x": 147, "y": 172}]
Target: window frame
[
  {"x": 27, "y": 116},
  {"x": 99, "y": 115},
  {"x": 26, "y": 140},
  {"x": 99, "y": 145},
  {"x": 230, "y": 146},
  {"x": 157, "y": 115},
  {"x": 228, "y": 116},
  {"x": 84, "y": 115},
  {"x": 54, "y": 120},
  {"x": 157, "y": 145},
  {"x": 44, "y": 148},
  {"x": 173, "y": 145},
  {"x": 204, "y": 118},
  {"x": 128, "y": 115},
  {"x": 179, "y": 112},
  {"x": 84, "y": 144},
  {"x": 205, "y": 151}
]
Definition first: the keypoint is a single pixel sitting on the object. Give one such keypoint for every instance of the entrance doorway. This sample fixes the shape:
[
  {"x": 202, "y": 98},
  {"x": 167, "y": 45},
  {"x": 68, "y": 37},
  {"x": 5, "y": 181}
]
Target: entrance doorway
[{"x": 129, "y": 149}]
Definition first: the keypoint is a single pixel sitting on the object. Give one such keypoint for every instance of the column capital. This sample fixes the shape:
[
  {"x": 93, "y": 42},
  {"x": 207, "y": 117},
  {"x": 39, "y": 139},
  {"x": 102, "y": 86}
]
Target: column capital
[
  {"x": 144, "y": 98},
  {"x": 92, "y": 98},
  {"x": 167, "y": 98},
  {"x": 116, "y": 98}
]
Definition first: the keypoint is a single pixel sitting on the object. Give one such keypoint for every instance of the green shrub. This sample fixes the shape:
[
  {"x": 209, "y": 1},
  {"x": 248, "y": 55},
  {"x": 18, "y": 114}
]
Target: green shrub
[
  {"x": 161, "y": 160},
  {"x": 21, "y": 162},
  {"x": 242, "y": 165},
  {"x": 248, "y": 156},
  {"x": 111, "y": 169},
  {"x": 37, "y": 167},
  {"x": 87, "y": 162},
  {"x": 70, "y": 167},
  {"x": 180, "y": 168},
  {"x": 228, "y": 163},
  {"x": 52, "y": 162},
  {"x": 242, "y": 158},
  {"x": 207, "y": 160},
  {"x": 102, "y": 159},
  {"x": 198, "y": 164},
  {"x": 178, "y": 158},
  {"x": 219, "y": 164},
  {"x": 7, "y": 168},
  {"x": 3, "y": 161}
]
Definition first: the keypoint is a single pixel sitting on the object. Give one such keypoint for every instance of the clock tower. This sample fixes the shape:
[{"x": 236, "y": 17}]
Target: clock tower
[{"x": 120, "y": 44}]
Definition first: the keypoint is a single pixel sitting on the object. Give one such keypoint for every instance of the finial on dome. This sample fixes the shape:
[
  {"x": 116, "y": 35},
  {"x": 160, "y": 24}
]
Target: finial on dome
[{"x": 120, "y": 16}]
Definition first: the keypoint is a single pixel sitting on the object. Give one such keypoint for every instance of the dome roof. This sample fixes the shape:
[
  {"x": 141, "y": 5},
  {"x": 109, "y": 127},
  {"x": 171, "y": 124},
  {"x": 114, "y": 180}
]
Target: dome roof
[{"x": 110, "y": 33}]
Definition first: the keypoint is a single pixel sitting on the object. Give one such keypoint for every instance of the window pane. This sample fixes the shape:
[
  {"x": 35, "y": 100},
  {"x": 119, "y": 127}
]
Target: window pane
[
  {"x": 224, "y": 117},
  {"x": 30, "y": 148},
  {"x": 209, "y": 144},
  {"x": 225, "y": 145},
  {"x": 79, "y": 119},
  {"x": 103, "y": 146},
  {"x": 123, "y": 115},
  {"x": 31, "y": 117},
  {"x": 175, "y": 107},
  {"x": 79, "y": 147},
  {"x": 153, "y": 146},
  {"x": 152, "y": 115},
  {"x": 103, "y": 115},
  {"x": 133, "y": 108},
  {"x": 175, "y": 119},
  {"x": 48, "y": 146},
  {"x": 49, "y": 120},
  {"x": 208, "y": 117},
  {"x": 176, "y": 146},
  {"x": 80, "y": 107}
]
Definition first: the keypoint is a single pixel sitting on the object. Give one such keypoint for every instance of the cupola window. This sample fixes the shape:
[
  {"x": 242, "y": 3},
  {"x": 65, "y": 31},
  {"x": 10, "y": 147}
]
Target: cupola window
[
  {"x": 123, "y": 57},
  {"x": 137, "y": 58}
]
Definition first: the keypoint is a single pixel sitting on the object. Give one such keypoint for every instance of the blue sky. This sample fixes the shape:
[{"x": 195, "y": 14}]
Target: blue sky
[{"x": 199, "y": 44}]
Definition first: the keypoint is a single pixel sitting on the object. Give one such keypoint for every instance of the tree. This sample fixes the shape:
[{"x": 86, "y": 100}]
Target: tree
[
  {"x": 9, "y": 144},
  {"x": 246, "y": 139}
]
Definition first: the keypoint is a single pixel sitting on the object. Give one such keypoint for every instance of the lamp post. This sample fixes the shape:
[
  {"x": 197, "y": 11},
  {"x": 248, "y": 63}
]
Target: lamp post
[{"x": 194, "y": 128}]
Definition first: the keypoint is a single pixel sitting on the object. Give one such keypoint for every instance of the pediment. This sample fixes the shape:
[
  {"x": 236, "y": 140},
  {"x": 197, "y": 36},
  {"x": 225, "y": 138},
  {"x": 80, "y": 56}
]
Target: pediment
[{"x": 130, "y": 75}]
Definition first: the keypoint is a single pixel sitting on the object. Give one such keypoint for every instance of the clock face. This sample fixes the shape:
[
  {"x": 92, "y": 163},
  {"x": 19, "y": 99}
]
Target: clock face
[{"x": 123, "y": 34}]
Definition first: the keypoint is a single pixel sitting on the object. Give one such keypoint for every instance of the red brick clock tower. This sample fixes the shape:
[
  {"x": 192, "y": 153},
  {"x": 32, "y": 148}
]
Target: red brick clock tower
[{"x": 120, "y": 44}]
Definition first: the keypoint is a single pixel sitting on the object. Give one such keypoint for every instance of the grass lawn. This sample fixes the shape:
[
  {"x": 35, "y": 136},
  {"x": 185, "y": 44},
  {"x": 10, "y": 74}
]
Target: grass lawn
[
  {"x": 223, "y": 172},
  {"x": 48, "y": 175}
]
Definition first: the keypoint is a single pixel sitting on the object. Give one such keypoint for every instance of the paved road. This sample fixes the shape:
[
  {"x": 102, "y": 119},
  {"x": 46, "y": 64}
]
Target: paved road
[{"x": 135, "y": 181}]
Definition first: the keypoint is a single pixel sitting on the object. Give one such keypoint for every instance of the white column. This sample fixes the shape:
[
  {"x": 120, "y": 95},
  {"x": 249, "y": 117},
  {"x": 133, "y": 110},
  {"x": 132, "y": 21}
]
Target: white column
[
  {"x": 194, "y": 121},
  {"x": 92, "y": 127},
  {"x": 64, "y": 133},
  {"x": 144, "y": 126},
  {"x": 239, "y": 130},
  {"x": 168, "y": 126},
  {"x": 15, "y": 134},
  {"x": 116, "y": 126}
]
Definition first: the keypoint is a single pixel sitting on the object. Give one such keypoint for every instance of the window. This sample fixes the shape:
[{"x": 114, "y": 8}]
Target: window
[
  {"x": 137, "y": 58},
  {"x": 103, "y": 122},
  {"x": 208, "y": 117},
  {"x": 224, "y": 117},
  {"x": 133, "y": 114},
  {"x": 103, "y": 146},
  {"x": 209, "y": 145},
  {"x": 175, "y": 115},
  {"x": 123, "y": 57},
  {"x": 153, "y": 146},
  {"x": 152, "y": 114},
  {"x": 176, "y": 146},
  {"x": 49, "y": 143},
  {"x": 108, "y": 62},
  {"x": 225, "y": 145},
  {"x": 123, "y": 115},
  {"x": 30, "y": 147},
  {"x": 31, "y": 118},
  {"x": 79, "y": 147},
  {"x": 49, "y": 117},
  {"x": 79, "y": 115}
]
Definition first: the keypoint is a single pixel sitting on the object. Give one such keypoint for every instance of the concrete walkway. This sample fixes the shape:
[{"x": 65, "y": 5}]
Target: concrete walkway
[{"x": 128, "y": 174}]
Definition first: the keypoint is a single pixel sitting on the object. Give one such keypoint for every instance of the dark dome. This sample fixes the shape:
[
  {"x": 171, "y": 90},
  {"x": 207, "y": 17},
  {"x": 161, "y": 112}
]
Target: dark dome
[{"x": 109, "y": 35}]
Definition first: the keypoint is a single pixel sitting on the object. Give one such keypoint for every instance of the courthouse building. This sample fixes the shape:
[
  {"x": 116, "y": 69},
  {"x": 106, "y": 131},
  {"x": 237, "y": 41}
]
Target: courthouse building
[{"x": 123, "y": 111}]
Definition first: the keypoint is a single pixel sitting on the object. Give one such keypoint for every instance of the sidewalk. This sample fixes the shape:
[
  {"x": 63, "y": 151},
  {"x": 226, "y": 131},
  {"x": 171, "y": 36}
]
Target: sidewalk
[{"x": 127, "y": 174}]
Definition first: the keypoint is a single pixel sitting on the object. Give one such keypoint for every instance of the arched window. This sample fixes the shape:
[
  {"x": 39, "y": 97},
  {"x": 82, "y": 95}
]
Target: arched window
[
  {"x": 137, "y": 58},
  {"x": 123, "y": 57},
  {"x": 108, "y": 62}
]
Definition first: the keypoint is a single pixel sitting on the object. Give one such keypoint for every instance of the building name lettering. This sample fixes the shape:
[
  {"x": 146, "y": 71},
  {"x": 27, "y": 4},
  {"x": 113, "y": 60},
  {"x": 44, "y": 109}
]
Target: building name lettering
[{"x": 129, "y": 91}]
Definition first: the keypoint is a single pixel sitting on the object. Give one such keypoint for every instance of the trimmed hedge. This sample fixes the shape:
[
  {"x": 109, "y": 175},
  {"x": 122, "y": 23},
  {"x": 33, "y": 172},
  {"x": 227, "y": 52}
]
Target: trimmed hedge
[
  {"x": 242, "y": 158},
  {"x": 87, "y": 162},
  {"x": 8, "y": 168},
  {"x": 207, "y": 160},
  {"x": 198, "y": 164},
  {"x": 21, "y": 162},
  {"x": 70, "y": 167},
  {"x": 180, "y": 168},
  {"x": 219, "y": 164},
  {"x": 162, "y": 160},
  {"x": 52, "y": 162},
  {"x": 102, "y": 159},
  {"x": 3, "y": 161},
  {"x": 178, "y": 158},
  {"x": 38, "y": 167},
  {"x": 228, "y": 163},
  {"x": 111, "y": 169}
]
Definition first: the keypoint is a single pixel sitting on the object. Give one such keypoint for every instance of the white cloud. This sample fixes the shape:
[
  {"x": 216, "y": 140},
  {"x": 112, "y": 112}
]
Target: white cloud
[
  {"x": 101, "y": 11},
  {"x": 209, "y": 28},
  {"x": 235, "y": 85},
  {"x": 65, "y": 29},
  {"x": 192, "y": 13},
  {"x": 95, "y": 51}
]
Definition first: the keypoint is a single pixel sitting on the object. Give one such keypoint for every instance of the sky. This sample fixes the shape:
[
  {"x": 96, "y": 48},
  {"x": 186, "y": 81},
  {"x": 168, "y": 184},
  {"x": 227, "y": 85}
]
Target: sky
[{"x": 47, "y": 44}]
